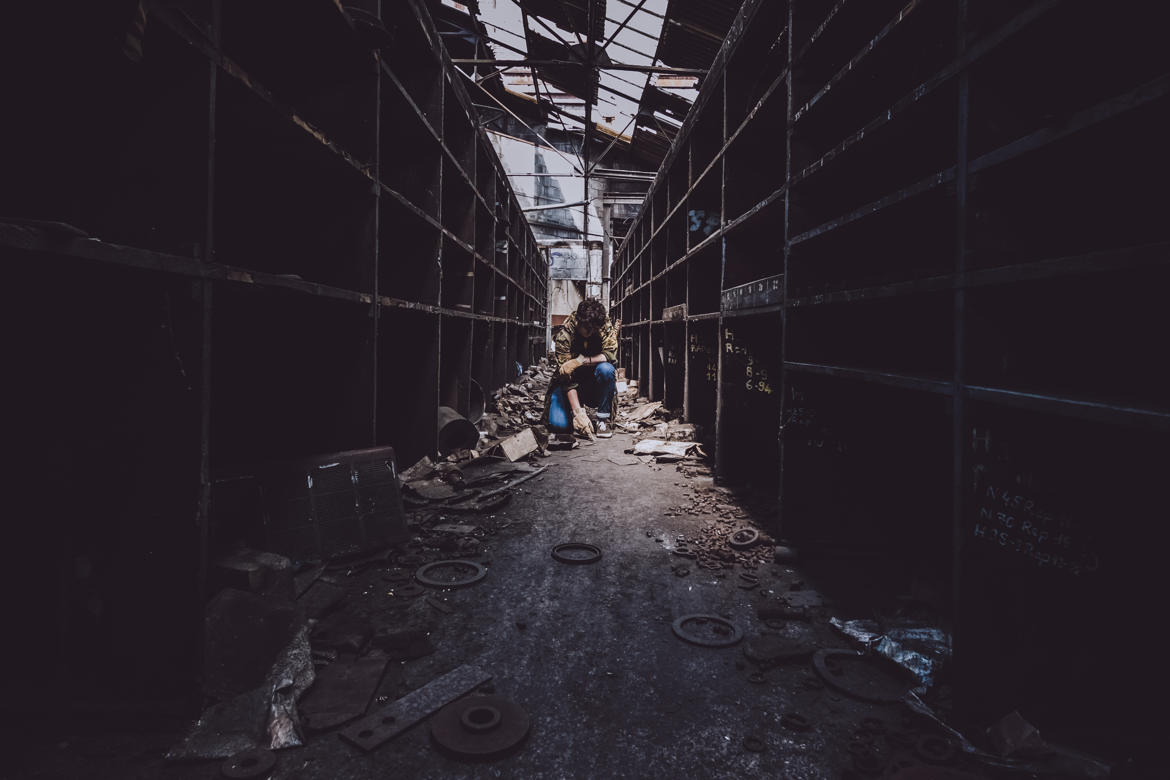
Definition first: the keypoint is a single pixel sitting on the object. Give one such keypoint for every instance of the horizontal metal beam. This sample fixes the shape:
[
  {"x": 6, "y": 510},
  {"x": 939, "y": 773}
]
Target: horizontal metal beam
[
  {"x": 551, "y": 206},
  {"x": 526, "y": 63}
]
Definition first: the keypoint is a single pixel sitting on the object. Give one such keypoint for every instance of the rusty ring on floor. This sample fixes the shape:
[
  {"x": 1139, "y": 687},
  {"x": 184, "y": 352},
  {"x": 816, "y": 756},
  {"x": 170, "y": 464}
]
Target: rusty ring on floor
[
  {"x": 732, "y": 635},
  {"x": 249, "y": 763},
  {"x": 795, "y": 721},
  {"x": 935, "y": 750},
  {"x": 753, "y": 744},
  {"x": 743, "y": 538},
  {"x": 559, "y": 553},
  {"x": 477, "y": 573}
]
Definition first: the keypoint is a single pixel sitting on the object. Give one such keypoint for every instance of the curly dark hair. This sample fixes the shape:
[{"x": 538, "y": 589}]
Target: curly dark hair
[{"x": 591, "y": 313}]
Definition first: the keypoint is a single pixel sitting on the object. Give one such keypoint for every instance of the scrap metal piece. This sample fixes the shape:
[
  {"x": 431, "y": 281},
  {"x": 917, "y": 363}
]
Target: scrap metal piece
[
  {"x": 723, "y": 632},
  {"x": 466, "y": 573},
  {"x": 856, "y": 674},
  {"x": 576, "y": 552},
  {"x": 387, "y": 723},
  {"x": 744, "y": 538},
  {"x": 480, "y": 726},
  {"x": 248, "y": 763}
]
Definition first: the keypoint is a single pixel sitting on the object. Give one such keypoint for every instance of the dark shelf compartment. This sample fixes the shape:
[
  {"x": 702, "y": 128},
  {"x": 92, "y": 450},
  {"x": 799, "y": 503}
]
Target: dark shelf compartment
[
  {"x": 1014, "y": 92},
  {"x": 459, "y": 205},
  {"x": 869, "y": 81},
  {"x": 458, "y": 277},
  {"x": 841, "y": 30},
  {"x": 755, "y": 247},
  {"x": 1059, "y": 350},
  {"x": 1061, "y": 198},
  {"x": 412, "y": 159},
  {"x": 755, "y": 159},
  {"x": 912, "y": 238},
  {"x": 912, "y": 336},
  {"x": 408, "y": 254},
  {"x": 702, "y": 374},
  {"x": 121, "y": 149},
  {"x": 705, "y": 274},
  {"x": 284, "y": 202},
  {"x": 455, "y": 364},
  {"x": 293, "y": 376},
  {"x": 758, "y": 60},
  {"x": 408, "y": 375}
]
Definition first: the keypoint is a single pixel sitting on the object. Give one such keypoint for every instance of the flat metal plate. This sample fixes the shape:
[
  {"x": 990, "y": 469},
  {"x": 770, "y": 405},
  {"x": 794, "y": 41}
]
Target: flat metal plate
[{"x": 395, "y": 718}]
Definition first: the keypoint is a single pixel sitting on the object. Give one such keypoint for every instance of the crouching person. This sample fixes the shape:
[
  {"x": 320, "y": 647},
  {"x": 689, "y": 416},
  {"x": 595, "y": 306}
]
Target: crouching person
[{"x": 586, "y": 347}]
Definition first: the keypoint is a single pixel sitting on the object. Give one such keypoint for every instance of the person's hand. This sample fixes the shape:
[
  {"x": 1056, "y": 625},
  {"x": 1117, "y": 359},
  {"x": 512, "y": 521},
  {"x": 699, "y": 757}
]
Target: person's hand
[
  {"x": 581, "y": 423},
  {"x": 572, "y": 364}
]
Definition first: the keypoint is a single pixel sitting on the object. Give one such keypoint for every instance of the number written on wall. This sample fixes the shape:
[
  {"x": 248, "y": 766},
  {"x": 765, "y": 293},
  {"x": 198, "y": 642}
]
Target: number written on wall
[
  {"x": 1016, "y": 523},
  {"x": 756, "y": 374},
  {"x": 705, "y": 355}
]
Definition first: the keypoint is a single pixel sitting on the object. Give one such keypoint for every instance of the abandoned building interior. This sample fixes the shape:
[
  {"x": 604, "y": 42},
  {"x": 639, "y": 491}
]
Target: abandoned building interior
[{"x": 884, "y": 495}]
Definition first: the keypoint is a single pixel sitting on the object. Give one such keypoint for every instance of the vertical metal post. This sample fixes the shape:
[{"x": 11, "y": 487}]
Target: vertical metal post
[
  {"x": 958, "y": 401},
  {"x": 720, "y": 427},
  {"x": 784, "y": 279}
]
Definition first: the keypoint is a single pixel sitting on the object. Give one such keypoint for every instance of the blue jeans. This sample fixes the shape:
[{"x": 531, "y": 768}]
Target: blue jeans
[{"x": 596, "y": 386}]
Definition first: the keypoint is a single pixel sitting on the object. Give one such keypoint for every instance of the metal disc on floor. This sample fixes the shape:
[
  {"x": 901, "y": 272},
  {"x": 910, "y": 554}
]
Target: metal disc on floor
[
  {"x": 480, "y": 726},
  {"x": 707, "y": 630},
  {"x": 576, "y": 552},
  {"x": 744, "y": 538},
  {"x": 450, "y": 574},
  {"x": 257, "y": 762}
]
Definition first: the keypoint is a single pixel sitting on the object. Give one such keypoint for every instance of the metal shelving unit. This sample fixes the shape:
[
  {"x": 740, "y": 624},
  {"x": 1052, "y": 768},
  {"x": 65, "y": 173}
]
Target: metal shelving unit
[
  {"x": 937, "y": 226},
  {"x": 268, "y": 245}
]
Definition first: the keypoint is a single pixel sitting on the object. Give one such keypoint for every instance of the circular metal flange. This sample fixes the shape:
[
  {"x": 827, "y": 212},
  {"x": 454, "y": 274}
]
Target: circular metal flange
[
  {"x": 249, "y": 763},
  {"x": 576, "y": 552},
  {"x": 851, "y": 672},
  {"x": 722, "y": 633},
  {"x": 479, "y": 726},
  {"x": 743, "y": 538},
  {"x": 468, "y": 573}
]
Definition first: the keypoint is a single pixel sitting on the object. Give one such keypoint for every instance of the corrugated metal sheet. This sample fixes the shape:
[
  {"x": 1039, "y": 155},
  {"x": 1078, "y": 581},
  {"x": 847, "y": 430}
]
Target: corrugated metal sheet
[{"x": 569, "y": 15}]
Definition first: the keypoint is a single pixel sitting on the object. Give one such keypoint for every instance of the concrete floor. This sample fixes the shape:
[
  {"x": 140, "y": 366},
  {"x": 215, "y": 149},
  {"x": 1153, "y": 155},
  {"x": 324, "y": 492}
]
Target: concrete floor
[{"x": 610, "y": 690}]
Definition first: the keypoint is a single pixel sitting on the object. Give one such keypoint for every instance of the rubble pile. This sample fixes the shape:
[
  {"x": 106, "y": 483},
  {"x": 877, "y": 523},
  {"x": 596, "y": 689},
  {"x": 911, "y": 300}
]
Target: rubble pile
[
  {"x": 726, "y": 541},
  {"x": 516, "y": 407}
]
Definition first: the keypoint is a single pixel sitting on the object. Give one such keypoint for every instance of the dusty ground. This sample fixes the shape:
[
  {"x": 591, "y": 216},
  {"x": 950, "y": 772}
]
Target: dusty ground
[{"x": 586, "y": 650}]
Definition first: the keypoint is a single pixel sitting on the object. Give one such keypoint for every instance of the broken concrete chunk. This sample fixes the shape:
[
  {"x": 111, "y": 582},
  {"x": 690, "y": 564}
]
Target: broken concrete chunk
[{"x": 517, "y": 446}]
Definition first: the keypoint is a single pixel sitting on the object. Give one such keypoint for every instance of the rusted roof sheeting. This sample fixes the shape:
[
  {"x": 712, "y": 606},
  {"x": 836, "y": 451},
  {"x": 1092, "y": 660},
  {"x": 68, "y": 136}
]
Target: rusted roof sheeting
[{"x": 695, "y": 30}]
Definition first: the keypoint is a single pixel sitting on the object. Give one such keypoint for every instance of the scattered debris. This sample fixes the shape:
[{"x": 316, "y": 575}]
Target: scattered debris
[
  {"x": 922, "y": 649},
  {"x": 255, "y": 571},
  {"x": 387, "y": 723},
  {"x": 656, "y": 447},
  {"x": 480, "y": 726},
  {"x": 243, "y": 634}
]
